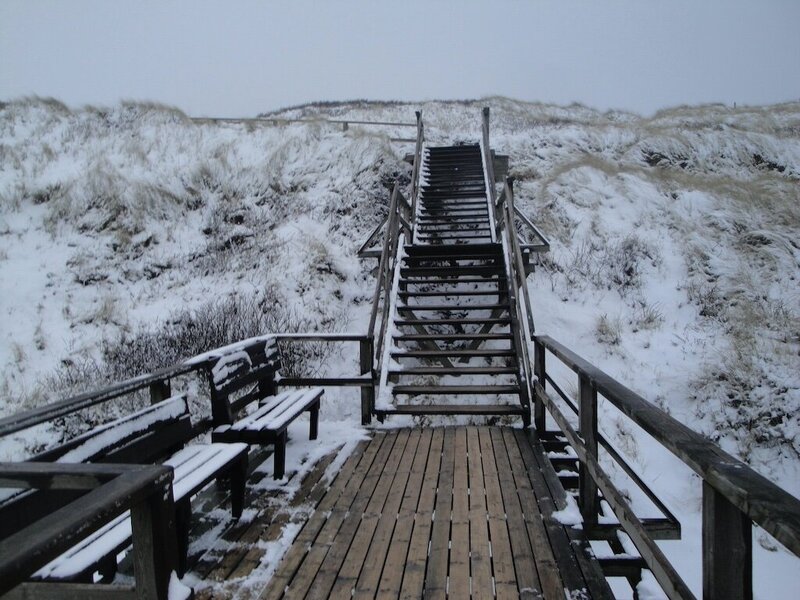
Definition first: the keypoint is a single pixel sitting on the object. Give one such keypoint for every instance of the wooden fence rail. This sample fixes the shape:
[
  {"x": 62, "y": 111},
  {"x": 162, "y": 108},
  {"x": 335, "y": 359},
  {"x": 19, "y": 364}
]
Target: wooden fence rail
[{"x": 159, "y": 382}]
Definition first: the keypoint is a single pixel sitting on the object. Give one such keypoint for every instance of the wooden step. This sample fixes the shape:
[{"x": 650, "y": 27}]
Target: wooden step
[
  {"x": 451, "y": 271},
  {"x": 459, "y": 219},
  {"x": 450, "y": 258},
  {"x": 457, "y": 249},
  {"x": 481, "y": 352},
  {"x": 456, "y": 236},
  {"x": 416, "y": 390},
  {"x": 451, "y": 337},
  {"x": 449, "y": 228},
  {"x": 453, "y": 409},
  {"x": 494, "y": 280},
  {"x": 466, "y": 321},
  {"x": 450, "y": 293},
  {"x": 446, "y": 210},
  {"x": 451, "y": 307},
  {"x": 443, "y": 371}
]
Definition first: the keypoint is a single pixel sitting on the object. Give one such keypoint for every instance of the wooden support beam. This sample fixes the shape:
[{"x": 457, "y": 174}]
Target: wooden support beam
[
  {"x": 589, "y": 501},
  {"x": 155, "y": 549},
  {"x": 727, "y": 549},
  {"x": 365, "y": 352}
]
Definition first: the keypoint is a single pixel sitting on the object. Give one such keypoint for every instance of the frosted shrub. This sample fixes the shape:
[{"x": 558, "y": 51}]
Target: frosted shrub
[{"x": 608, "y": 330}]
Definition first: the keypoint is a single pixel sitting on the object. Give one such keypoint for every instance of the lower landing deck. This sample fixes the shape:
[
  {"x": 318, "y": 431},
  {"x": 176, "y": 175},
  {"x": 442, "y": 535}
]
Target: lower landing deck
[{"x": 454, "y": 512}]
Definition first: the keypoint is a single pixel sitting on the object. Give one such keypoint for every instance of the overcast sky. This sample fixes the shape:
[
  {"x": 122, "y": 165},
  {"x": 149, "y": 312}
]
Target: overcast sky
[{"x": 238, "y": 58}]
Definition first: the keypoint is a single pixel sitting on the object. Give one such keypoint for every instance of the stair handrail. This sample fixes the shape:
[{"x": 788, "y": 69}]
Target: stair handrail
[
  {"x": 501, "y": 211},
  {"x": 488, "y": 162},
  {"x": 734, "y": 495},
  {"x": 415, "y": 172}
]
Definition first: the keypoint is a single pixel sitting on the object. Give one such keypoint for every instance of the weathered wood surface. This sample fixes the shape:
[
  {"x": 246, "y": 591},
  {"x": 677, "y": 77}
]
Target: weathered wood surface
[{"x": 459, "y": 512}]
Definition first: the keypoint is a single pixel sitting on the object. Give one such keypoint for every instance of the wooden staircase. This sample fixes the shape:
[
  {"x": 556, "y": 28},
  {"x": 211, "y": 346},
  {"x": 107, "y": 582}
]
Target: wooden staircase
[{"x": 451, "y": 345}]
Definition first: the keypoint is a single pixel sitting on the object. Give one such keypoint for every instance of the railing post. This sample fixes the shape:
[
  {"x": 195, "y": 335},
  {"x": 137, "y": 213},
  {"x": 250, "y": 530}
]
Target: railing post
[
  {"x": 160, "y": 390},
  {"x": 367, "y": 393},
  {"x": 155, "y": 549},
  {"x": 727, "y": 549},
  {"x": 539, "y": 370},
  {"x": 589, "y": 502}
]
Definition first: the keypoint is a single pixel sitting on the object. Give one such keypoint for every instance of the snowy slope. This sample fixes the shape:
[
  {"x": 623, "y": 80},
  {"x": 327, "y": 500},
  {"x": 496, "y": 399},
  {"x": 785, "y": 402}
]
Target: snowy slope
[{"x": 674, "y": 263}]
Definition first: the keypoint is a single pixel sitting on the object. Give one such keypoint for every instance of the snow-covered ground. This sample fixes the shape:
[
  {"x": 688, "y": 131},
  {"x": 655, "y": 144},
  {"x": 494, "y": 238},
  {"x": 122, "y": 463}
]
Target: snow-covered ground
[{"x": 674, "y": 265}]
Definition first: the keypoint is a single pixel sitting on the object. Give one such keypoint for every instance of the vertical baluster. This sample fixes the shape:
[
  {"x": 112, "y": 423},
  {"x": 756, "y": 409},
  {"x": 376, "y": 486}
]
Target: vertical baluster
[
  {"x": 367, "y": 393},
  {"x": 727, "y": 549},
  {"x": 589, "y": 502}
]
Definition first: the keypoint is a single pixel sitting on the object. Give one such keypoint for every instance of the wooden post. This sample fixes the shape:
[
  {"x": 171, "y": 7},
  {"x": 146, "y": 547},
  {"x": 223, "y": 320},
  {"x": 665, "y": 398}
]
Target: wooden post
[
  {"x": 367, "y": 393},
  {"x": 345, "y": 126},
  {"x": 155, "y": 551},
  {"x": 589, "y": 503},
  {"x": 160, "y": 390},
  {"x": 539, "y": 370},
  {"x": 727, "y": 549}
]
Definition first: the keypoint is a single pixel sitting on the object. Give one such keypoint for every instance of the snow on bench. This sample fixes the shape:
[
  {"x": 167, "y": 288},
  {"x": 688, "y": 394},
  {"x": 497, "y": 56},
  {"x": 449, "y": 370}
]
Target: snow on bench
[
  {"x": 268, "y": 424},
  {"x": 192, "y": 465},
  {"x": 154, "y": 434}
]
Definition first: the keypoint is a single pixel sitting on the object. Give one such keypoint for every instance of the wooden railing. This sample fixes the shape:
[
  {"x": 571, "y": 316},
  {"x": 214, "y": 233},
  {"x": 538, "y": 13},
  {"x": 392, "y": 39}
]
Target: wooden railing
[
  {"x": 501, "y": 211},
  {"x": 734, "y": 495},
  {"x": 366, "y": 250},
  {"x": 159, "y": 383},
  {"x": 398, "y": 225},
  {"x": 112, "y": 489}
]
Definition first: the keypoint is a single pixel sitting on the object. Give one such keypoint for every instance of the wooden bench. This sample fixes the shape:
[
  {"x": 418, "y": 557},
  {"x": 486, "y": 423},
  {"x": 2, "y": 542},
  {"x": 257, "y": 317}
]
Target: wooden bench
[
  {"x": 154, "y": 434},
  {"x": 243, "y": 376}
]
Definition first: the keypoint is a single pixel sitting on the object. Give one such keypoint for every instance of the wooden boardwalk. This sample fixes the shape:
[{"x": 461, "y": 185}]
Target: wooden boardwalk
[{"x": 452, "y": 512}]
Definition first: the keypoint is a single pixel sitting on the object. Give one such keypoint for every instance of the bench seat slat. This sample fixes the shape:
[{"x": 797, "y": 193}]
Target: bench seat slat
[
  {"x": 193, "y": 466},
  {"x": 298, "y": 404},
  {"x": 276, "y": 412}
]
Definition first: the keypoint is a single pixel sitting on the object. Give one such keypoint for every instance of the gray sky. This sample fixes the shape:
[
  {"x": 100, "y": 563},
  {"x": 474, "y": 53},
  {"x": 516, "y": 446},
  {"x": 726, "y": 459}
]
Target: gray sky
[{"x": 238, "y": 58}]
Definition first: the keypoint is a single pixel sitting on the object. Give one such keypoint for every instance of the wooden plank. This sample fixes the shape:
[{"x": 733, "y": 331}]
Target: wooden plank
[
  {"x": 479, "y": 550},
  {"x": 345, "y": 565},
  {"x": 343, "y": 518},
  {"x": 321, "y": 567},
  {"x": 459, "y": 580},
  {"x": 552, "y": 497},
  {"x": 355, "y": 469},
  {"x": 269, "y": 526},
  {"x": 396, "y": 557},
  {"x": 436, "y": 574},
  {"x": 414, "y": 573},
  {"x": 551, "y": 548},
  {"x": 371, "y": 572},
  {"x": 527, "y": 577},
  {"x": 502, "y": 556}
]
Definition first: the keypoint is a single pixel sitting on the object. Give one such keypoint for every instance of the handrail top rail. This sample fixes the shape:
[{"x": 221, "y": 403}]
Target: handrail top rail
[
  {"x": 306, "y": 120},
  {"x": 764, "y": 502},
  {"x": 112, "y": 490}
]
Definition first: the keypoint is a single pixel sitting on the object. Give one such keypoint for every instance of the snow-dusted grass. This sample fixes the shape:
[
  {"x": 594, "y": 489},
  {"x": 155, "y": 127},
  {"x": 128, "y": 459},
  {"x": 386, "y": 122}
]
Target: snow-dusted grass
[
  {"x": 674, "y": 265},
  {"x": 119, "y": 227}
]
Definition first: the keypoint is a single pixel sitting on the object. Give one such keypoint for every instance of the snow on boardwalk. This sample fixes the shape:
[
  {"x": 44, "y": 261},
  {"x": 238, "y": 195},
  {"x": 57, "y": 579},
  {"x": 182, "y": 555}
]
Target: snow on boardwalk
[{"x": 454, "y": 511}]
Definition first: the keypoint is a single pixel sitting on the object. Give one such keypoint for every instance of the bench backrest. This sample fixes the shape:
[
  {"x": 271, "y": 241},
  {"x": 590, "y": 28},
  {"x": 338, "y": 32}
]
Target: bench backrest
[
  {"x": 146, "y": 436},
  {"x": 251, "y": 369}
]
